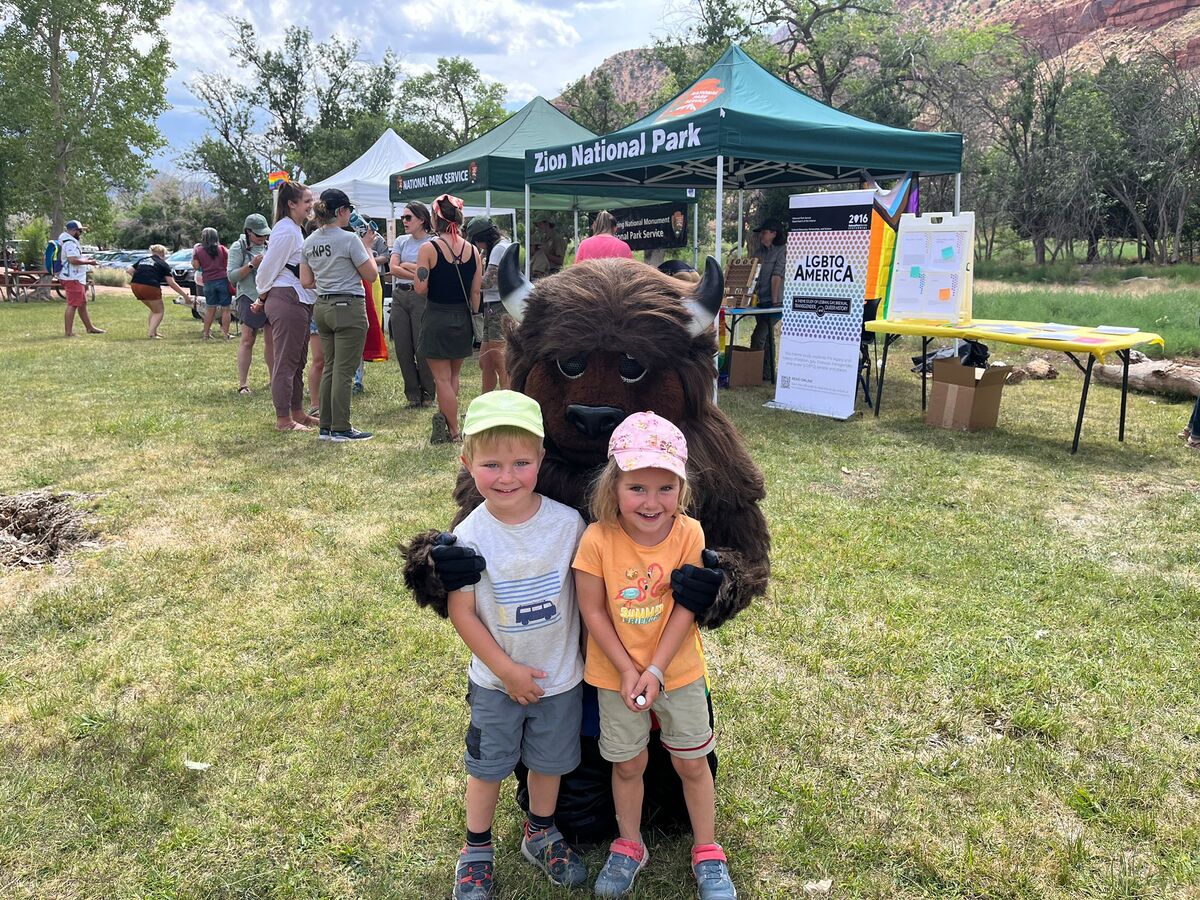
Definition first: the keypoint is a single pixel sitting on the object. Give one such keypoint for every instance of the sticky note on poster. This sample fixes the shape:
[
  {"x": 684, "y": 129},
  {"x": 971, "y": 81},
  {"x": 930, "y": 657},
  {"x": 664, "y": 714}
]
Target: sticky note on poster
[
  {"x": 914, "y": 272},
  {"x": 945, "y": 250},
  {"x": 940, "y": 286}
]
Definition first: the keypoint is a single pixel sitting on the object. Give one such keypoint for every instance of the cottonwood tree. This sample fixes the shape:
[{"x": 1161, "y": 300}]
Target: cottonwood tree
[
  {"x": 88, "y": 88},
  {"x": 453, "y": 104},
  {"x": 592, "y": 102}
]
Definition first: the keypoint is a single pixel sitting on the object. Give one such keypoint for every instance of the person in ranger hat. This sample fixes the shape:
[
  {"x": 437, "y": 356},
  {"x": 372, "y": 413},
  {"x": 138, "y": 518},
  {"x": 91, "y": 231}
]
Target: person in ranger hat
[
  {"x": 74, "y": 278},
  {"x": 513, "y": 603},
  {"x": 245, "y": 256},
  {"x": 772, "y": 270}
]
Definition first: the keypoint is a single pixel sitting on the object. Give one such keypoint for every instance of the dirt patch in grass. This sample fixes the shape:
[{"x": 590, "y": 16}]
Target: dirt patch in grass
[{"x": 38, "y": 527}]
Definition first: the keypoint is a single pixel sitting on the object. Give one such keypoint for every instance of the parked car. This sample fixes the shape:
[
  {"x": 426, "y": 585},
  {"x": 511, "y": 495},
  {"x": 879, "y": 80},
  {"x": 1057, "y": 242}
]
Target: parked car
[{"x": 181, "y": 269}]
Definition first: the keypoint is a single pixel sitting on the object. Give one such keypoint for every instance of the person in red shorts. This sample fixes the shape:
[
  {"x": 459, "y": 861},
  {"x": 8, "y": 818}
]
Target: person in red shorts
[{"x": 74, "y": 278}]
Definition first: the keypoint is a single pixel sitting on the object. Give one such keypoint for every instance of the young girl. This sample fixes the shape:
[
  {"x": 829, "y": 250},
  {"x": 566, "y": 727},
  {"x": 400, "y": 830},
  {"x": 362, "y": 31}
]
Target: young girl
[{"x": 640, "y": 580}]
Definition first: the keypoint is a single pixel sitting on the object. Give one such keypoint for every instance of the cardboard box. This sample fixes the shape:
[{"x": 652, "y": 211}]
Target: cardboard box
[
  {"x": 745, "y": 367},
  {"x": 965, "y": 398}
]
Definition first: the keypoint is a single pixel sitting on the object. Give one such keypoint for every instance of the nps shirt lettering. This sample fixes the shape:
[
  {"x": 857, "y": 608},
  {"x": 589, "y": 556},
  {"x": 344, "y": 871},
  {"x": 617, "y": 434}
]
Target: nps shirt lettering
[
  {"x": 334, "y": 256},
  {"x": 637, "y": 590}
]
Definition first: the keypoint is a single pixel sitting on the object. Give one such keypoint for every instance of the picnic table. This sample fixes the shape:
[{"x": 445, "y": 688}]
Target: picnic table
[
  {"x": 17, "y": 285},
  {"x": 1097, "y": 342}
]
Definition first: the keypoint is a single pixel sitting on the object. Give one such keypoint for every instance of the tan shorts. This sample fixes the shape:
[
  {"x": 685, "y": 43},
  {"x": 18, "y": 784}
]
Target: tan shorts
[{"x": 684, "y": 714}]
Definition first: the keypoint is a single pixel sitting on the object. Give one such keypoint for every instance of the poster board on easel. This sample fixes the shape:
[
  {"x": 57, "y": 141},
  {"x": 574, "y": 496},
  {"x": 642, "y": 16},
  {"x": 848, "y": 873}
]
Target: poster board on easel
[{"x": 932, "y": 270}]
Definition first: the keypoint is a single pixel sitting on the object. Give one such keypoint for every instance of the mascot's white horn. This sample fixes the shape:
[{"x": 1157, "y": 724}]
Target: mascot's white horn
[
  {"x": 706, "y": 301},
  {"x": 514, "y": 286}
]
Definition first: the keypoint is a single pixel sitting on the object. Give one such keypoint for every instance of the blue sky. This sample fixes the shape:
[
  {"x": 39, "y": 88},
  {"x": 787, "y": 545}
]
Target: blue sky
[{"x": 531, "y": 47}]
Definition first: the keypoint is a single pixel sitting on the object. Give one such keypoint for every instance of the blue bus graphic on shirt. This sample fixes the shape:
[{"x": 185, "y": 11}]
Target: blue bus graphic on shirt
[{"x": 526, "y": 604}]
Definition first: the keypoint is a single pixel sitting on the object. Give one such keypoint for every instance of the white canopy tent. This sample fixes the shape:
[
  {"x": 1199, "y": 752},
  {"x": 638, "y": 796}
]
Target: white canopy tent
[{"x": 365, "y": 180}]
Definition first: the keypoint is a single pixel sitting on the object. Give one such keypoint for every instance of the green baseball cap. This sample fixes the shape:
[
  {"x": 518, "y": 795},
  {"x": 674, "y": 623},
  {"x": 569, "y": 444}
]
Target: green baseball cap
[
  {"x": 257, "y": 224},
  {"x": 503, "y": 408}
]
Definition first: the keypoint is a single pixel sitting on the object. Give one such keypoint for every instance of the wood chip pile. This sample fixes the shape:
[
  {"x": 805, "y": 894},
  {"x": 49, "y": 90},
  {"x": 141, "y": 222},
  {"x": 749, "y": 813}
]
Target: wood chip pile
[{"x": 39, "y": 526}]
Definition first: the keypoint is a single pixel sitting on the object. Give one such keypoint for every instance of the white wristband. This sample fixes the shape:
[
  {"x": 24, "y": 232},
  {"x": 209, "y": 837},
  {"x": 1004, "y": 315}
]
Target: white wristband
[{"x": 657, "y": 673}]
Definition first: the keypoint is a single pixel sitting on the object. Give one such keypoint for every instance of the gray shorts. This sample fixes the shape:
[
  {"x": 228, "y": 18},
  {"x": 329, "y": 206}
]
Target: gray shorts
[{"x": 543, "y": 735}]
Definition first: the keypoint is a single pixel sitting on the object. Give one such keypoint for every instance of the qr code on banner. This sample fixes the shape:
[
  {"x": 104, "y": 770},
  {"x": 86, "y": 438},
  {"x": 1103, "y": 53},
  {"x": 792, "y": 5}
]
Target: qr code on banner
[{"x": 785, "y": 381}]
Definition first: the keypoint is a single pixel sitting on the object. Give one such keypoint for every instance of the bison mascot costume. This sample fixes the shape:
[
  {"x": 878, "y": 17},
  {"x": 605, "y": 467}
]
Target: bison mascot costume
[{"x": 593, "y": 344}]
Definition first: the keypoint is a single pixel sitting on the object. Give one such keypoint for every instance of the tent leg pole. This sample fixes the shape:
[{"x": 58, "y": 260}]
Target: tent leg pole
[
  {"x": 720, "y": 203},
  {"x": 957, "y": 193},
  {"x": 487, "y": 203},
  {"x": 527, "y": 231},
  {"x": 696, "y": 234},
  {"x": 741, "y": 219},
  {"x": 575, "y": 217}
]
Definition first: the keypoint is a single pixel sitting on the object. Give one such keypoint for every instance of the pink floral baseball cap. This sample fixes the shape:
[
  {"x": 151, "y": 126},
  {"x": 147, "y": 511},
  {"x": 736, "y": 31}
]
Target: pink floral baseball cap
[{"x": 648, "y": 441}]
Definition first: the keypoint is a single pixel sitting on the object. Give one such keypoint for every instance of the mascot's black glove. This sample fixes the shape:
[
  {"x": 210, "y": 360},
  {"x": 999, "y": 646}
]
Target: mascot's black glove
[
  {"x": 696, "y": 588},
  {"x": 456, "y": 566}
]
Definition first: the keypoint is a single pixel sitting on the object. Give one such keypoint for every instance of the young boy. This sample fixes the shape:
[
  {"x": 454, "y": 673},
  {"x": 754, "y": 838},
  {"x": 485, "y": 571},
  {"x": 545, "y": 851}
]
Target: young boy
[{"x": 522, "y": 626}]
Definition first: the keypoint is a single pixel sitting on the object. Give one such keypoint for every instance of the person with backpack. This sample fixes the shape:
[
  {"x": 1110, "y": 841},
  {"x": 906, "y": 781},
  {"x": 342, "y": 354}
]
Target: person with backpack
[
  {"x": 212, "y": 259},
  {"x": 245, "y": 256},
  {"x": 70, "y": 266},
  {"x": 449, "y": 276}
]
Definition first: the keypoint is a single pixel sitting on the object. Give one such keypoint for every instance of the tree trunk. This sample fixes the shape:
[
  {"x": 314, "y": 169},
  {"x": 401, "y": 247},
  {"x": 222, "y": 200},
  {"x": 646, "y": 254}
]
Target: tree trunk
[
  {"x": 1155, "y": 376},
  {"x": 1093, "y": 250},
  {"x": 60, "y": 149},
  {"x": 1039, "y": 250}
]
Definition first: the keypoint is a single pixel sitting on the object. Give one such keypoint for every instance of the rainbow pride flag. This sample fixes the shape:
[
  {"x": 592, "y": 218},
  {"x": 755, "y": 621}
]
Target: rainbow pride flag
[{"x": 275, "y": 179}]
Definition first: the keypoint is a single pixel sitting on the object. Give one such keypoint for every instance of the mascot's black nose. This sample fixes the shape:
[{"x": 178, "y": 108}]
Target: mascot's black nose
[{"x": 595, "y": 421}]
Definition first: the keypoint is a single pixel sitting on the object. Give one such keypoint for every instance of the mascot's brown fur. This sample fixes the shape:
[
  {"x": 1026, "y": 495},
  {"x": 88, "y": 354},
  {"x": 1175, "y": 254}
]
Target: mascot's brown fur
[
  {"x": 592, "y": 344},
  {"x": 594, "y": 315}
]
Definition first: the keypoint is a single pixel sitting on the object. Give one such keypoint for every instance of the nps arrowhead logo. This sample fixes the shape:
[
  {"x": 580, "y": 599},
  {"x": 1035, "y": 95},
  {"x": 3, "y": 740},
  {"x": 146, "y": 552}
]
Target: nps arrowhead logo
[{"x": 699, "y": 95}]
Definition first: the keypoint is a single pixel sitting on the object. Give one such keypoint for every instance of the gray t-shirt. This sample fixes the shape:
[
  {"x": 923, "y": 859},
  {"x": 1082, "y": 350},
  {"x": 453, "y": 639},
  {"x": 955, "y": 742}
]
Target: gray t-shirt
[
  {"x": 408, "y": 247},
  {"x": 526, "y": 597},
  {"x": 334, "y": 256}
]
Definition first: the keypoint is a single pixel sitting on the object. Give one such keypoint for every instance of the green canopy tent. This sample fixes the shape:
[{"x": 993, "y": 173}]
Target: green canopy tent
[
  {"x": 739, "y": 125},
  {"x": 490, "y": 170}
]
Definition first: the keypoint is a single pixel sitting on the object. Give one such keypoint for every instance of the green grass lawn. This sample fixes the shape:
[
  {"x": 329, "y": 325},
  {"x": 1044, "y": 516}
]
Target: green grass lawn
[{"x": 976, "y": 674}]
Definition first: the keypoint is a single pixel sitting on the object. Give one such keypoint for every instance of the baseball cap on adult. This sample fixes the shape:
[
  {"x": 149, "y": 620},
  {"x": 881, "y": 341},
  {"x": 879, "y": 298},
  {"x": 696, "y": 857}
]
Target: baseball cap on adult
[
  {"x": 648, "y": 441},
  {"x": 256, "y": 224},
  {"x": 478, "y": 227},
  {"x": 335, "y": 199},
  {"x": 497, "y": 408},
  {"x": 770, "y": 225},
  {"x": 75, "y": 225}
]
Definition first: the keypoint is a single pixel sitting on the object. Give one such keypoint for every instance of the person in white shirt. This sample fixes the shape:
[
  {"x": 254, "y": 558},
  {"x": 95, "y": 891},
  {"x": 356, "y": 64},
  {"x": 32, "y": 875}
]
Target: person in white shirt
[
  {"x": 491, "y": 244},
  {"x": 288, "y": 304},
  {"x": 74, "y": 278}
]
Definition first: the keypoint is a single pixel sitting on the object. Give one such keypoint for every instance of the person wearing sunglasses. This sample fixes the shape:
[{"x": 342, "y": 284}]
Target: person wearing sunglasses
[
  {"x": 408, "y": 307},
  {"x": 336, "y": 263}
]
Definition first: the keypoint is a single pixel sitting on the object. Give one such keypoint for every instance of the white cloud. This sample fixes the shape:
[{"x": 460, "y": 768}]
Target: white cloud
[{"x": 531, "y": 46}]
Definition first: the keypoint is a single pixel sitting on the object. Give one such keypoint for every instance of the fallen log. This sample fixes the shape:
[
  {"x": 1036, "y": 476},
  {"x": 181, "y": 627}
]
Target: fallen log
[{"x": 1156, "y": 376}]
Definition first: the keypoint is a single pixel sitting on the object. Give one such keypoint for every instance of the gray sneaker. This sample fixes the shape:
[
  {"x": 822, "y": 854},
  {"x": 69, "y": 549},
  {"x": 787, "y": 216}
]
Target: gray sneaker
[
  {"x": 441, "y": 430},
  {"x": 616, "y": 878},
  {"x": 549, "y": 851},
  {"x": 473, "y": 876},
  {"x": 713, "y": 881}
]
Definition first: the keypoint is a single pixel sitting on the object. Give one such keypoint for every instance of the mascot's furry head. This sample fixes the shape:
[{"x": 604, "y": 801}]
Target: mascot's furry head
[{"x": 600, "y": 341}]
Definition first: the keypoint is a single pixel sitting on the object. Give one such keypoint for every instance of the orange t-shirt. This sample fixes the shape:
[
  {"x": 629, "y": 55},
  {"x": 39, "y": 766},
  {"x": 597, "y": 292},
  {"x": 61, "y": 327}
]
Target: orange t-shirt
[{"x": 637, "y": 584}]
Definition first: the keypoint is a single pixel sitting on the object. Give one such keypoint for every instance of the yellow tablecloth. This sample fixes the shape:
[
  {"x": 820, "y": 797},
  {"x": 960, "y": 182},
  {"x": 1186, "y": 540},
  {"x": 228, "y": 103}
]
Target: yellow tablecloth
[{"x": 1076, "y": 339}]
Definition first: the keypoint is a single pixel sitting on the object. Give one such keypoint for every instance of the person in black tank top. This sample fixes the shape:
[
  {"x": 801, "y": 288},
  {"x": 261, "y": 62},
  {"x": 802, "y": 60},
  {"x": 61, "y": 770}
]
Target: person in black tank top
[{"x": 449, "y": 276}]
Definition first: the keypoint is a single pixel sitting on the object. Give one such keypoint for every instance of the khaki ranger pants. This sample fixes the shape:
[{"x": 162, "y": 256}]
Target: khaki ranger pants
[{"x": 342, "y": 325}]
